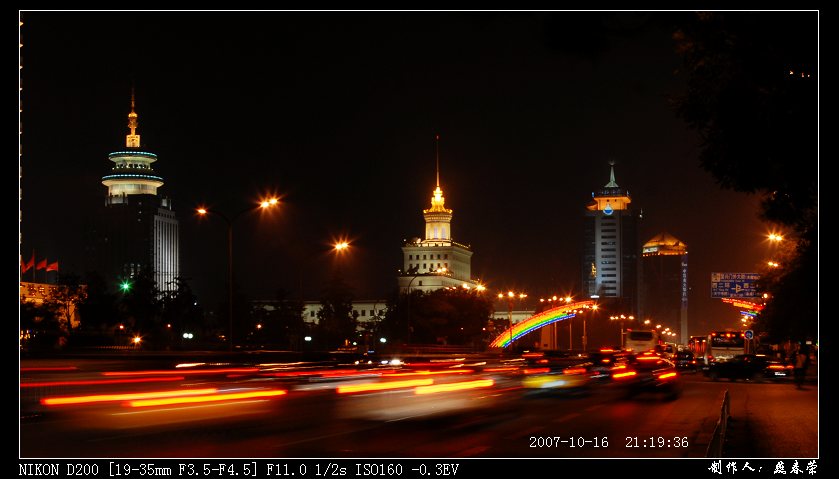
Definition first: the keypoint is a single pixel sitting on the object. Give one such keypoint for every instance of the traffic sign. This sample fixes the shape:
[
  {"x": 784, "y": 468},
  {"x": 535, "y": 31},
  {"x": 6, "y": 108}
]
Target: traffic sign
[
  {"x": 748, "y": 334},
  {"x": 734, "y": 285}
]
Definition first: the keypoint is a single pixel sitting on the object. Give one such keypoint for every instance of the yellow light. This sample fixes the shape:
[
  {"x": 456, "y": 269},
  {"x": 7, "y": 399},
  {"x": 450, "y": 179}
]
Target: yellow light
[
  {"x": 554, "y": 297},
  {"x": 136, "y": 340},
  {"x": 382, "y": 386},
  {"x": 437, "y": 388},
  {"x": 202, "y": 211},
  {"x": 510, "y": 294},
  {"x": 500, "y": 295},
  {"x": 123, "y": 397},
  {"x": 206, "y": 398},
  {"x": 341, "y": 246},
  {"x": 568, "y": 299},
  {"x": 265, "y": 204},
  {"x": 646, "y": 321},
  {"x": 522, "y": 295},
  {"x": 258, "y": 326},
  {"x": 273, "y": 201},
  {"x": 480, "y": 287},
  {"x": 595, "y": 307}
]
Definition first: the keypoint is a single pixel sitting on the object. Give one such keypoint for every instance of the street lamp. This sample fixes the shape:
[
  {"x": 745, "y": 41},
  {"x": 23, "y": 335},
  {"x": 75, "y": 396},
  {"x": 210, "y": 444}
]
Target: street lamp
[
  {"x": 202, "y": 211},
  {"x": 511, "y": 297}
]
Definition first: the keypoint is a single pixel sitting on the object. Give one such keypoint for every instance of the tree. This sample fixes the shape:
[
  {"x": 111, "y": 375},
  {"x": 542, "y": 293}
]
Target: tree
[
  {"x": 98, "y": 310},
  {"x": 337, "y": 321},
  {"x": 449, "y": 316},
  {"x": 752, "y": 97},
  {"x": 283, "y": 323},
  {"x": 68, "y": 294},
  {"x": 140, "y": 306},
  {"x": 180, "y": 312}
]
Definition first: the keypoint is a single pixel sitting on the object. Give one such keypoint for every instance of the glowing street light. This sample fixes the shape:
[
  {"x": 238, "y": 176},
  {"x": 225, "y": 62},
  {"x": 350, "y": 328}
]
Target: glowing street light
[
  {"x": 341, "y": 246},
  {"x": 136, "y": 340},
  {"x": 125, "y": 286},
  {"x": 775, "y": 237},
  {"x": 203, "y": 211}
]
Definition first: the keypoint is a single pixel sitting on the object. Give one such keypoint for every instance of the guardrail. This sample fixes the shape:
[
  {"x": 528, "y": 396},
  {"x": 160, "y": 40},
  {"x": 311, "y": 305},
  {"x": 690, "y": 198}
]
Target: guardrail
[{"x": 718, "y": 438}]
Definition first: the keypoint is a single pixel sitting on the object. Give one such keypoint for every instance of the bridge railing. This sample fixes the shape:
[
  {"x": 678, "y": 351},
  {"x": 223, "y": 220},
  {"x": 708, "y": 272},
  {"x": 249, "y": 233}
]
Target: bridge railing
[{"x": 718, "y": 439}]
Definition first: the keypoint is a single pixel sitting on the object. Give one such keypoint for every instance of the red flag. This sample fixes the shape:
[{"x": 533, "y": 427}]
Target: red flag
[
  {"x": 30, "y": 264},
  {"x": 52, "y": 266},
  {"x": 41, "y": 264}
]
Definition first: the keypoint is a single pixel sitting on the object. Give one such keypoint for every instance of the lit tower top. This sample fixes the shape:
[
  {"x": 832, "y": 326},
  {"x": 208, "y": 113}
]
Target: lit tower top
[
  {"x": 438, "y": 218},
  {"x": 132, "y": 173},
  {"x": 664, "y": 244},
  {"x": 611, "y": 197}
]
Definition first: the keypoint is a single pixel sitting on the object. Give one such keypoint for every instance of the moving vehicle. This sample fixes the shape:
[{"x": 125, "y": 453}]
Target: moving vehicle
[
  {"x": 648, "y": 373},
  {"x": 641, "y": 340},
  {"x": 685, "y": 361},
  {"x": 723, "y": 346},
  {"x": 754, "y": 367}
]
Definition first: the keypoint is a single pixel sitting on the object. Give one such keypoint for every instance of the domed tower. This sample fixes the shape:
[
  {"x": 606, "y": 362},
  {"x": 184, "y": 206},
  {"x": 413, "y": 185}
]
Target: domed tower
[
  {"x": 138, "y": 229},
  {"x": 610, "y": 250},
  {"x": 132, "y": 173},
  {"x": 436, "y": 261},
  {"x": 664, "y": 283}
]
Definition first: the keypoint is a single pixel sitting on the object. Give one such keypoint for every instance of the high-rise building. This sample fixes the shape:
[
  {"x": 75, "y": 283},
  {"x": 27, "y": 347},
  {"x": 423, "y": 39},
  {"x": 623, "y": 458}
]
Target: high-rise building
[
  {"x": 664, "y": 283},
  {"x": 436, "y": 261},
  {"x": 610, "y": 249},
  {"x": 137, "y": 229}
]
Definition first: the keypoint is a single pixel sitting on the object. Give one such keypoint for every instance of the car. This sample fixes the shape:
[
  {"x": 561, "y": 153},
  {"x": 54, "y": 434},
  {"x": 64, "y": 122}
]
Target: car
[
  {"x": 648, "y": 373},
  {"x": 685, "y": 361},
  {"x": 753, "y": 367}
]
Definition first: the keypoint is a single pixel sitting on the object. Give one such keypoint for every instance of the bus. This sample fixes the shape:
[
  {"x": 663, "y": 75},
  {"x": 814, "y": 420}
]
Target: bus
[
  {"x": 641, "y": 340},
  {"x": 696, "y": 345},
  {"x": 723, "y": 345}
]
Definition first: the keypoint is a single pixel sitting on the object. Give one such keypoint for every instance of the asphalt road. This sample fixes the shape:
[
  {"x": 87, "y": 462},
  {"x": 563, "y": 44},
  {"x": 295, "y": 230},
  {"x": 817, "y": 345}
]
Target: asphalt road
[{"x": 769, "y": 420}]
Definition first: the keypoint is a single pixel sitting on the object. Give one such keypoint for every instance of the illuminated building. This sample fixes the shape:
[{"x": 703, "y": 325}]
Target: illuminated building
[
  {"x": 137, "y": 229},
  {"x": 664, "y": 283},
  {"x": 610, "y": 249},
  {"x": 437, "y": 261}
]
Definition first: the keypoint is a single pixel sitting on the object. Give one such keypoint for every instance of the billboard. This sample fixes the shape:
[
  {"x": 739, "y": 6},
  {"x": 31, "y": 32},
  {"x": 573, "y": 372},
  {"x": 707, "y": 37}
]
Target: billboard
[{"x": 734, "y": 285}]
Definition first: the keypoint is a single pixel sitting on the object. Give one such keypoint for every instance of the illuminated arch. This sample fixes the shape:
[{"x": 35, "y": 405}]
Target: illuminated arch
[{"x": 538, "y": 321}]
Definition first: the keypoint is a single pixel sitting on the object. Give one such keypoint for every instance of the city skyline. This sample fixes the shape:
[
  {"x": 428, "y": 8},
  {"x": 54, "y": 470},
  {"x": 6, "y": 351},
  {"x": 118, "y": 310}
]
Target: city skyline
[{"x": 346, "y": 135}]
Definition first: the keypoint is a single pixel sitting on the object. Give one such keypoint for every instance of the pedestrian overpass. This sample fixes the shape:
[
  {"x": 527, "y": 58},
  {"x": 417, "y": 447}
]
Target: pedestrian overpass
[{"x": 538, "y": 321}]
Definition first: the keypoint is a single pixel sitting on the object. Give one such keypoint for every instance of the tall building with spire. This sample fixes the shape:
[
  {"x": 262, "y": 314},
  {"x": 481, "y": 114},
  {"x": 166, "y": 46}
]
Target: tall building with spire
[
  {"x": 664, "y": 283},
  {"x": 436, "y": 261},
  {"x": 138, "y": 229},
  {"x": 610, "y": 249}
]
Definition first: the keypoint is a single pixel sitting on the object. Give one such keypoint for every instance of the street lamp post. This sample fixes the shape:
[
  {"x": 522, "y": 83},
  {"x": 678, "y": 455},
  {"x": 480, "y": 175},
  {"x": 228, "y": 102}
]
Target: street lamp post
[
  {"x": 205, "y": 211},
  {"x": 511, "y": 297}
]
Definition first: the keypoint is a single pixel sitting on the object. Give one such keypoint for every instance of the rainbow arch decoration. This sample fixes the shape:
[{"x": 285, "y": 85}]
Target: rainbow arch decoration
[{"x": 537, "y": 321}]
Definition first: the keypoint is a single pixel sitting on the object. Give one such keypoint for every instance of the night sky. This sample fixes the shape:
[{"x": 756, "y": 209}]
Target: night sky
[{"x": 337, "y": 114}]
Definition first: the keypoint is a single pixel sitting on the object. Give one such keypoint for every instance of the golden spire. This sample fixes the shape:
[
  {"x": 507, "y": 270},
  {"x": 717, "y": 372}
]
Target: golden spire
[
  {"x": 438, "y": 202},
  {"x": 132, "y": 140},
  {"x": 437, "y": 143}
]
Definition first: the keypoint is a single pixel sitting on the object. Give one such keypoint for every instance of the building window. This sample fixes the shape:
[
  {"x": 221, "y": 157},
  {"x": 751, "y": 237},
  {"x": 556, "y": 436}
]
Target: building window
[
  {"x": 420, "y": 283},
  {"x": 608, "y": 262},
  {"x": 364, "y": 312},
  {"x": 609, "y": 280},
  {"x": 312, "y": 313},
  {"x": 436, "y": 236},
  {"x": 608, "y": 249},
  {"x": 424, "y": 266},
  {"x": 444, "y": 232},
  {"x": 609, "y": 275},
  {"x": 610, "y": 255},
  {"x": 612, "y": 230},
  {"x": 609, "y": 269},
  {"x": 445, "y": 256},
  {"x": 438, "y": 265},
  {"x": 446, "y": 265},
  {"x": 438, "y": 256},
  {"x": 608, "y": 237},
  {"x": 423, "y": 257},
  {"x": 607, "y": 243}
]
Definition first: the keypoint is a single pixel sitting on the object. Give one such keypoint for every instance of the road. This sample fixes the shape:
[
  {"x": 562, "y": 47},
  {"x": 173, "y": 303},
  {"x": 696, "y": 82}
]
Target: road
[{"x": 311, "y": 420}]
